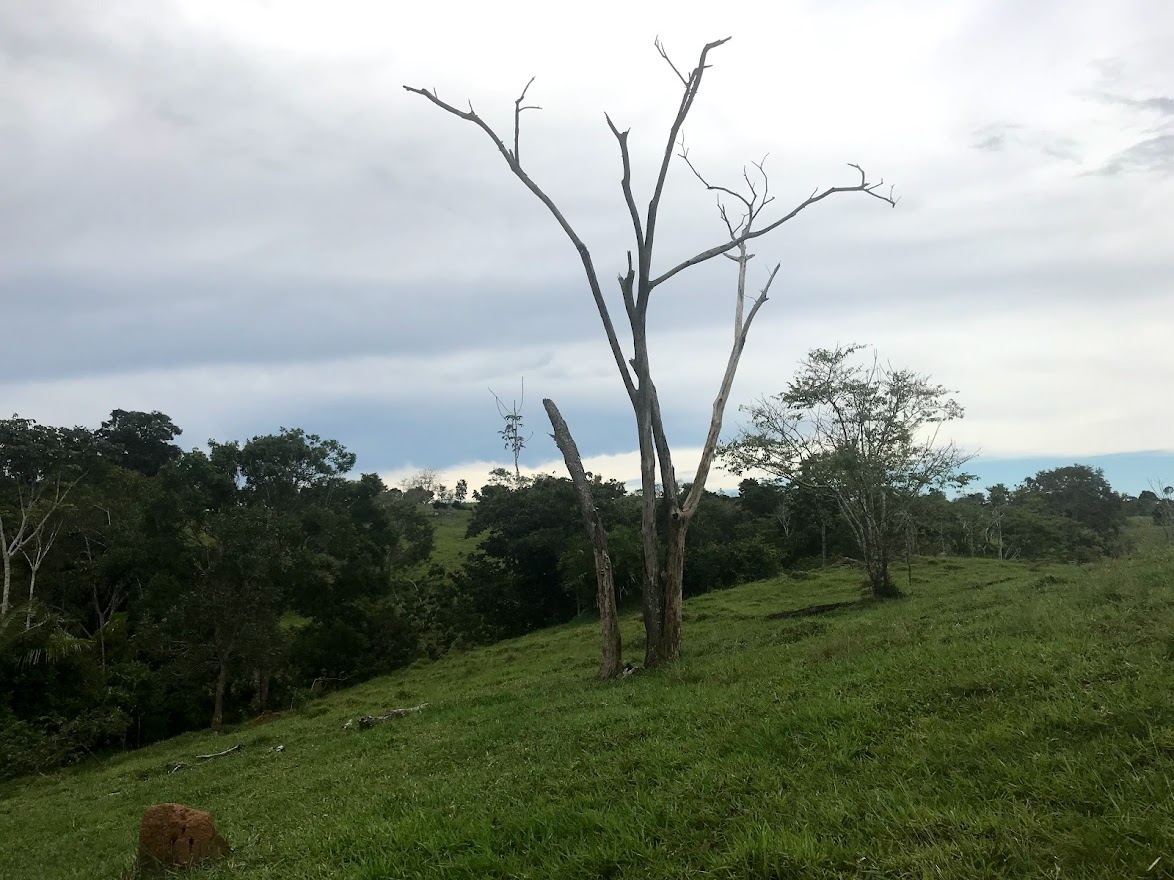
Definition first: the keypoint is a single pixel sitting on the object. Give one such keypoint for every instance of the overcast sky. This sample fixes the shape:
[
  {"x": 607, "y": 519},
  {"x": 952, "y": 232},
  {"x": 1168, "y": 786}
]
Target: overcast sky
[{"x": 233, "y": 213}]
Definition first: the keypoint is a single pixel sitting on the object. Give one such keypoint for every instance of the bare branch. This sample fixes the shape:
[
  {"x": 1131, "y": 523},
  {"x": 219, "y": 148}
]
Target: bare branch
[
  {"x": 518, "y": 108},
  {"x": 692, "y": 85},
  {"x": 767, "y": 198},
  {"x": 626, "y": 287},
  {"x": 684, "y": 154},
  {"x": 584, "y": 253},
  {"x": 709, "y": 450},
  {"x": 721, "y": 210},
  {"x": 816, "y": 196},
  {"x": 626, "y": 186},
  {"x": 665, "y": 55}
]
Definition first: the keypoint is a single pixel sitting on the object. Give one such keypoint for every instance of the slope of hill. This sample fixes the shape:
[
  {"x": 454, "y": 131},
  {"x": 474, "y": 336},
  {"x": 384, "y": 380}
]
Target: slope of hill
[
  {"x": 449, "y": 544},
  {"x": 1004, "y": 720}
]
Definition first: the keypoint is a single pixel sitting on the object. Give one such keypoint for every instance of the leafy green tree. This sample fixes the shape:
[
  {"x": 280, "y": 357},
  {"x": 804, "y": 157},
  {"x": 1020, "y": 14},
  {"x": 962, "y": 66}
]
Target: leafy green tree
[
  {"x": 728, "y": 546},
  {"x": 1082, "y": 498},
  {"x": 529, "y": 536},
  {"x": 1078, "y": 492},
  {"x": 866, "y": 434},
  {"x": 229, "y": 618},
  {"x": 277, "y": 467},
  {"x": 141, "y": 441}
]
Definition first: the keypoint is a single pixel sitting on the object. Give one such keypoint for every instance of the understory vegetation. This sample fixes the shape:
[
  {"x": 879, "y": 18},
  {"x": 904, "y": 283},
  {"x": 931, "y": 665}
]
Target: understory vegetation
[{"x": 1005, "y": 719}]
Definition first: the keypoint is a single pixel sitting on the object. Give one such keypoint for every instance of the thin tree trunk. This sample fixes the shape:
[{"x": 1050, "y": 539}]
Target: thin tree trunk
[
  {"x": 44, "y": 545},
  {"x": 7, "y": 579},
  {"x": 218, "y": 704},
  {"x": 101, "y": 626},
  {"x": 260, "y": 688},
  {"x": 28, "y": 617},
  {"x": 611, "y": 654}
]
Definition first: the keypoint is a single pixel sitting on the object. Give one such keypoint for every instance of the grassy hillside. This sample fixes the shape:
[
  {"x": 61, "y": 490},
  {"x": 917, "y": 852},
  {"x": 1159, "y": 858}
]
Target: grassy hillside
[
  {"x": 1145, "y": 534},
  {"x": 1004, "y": 720},
  {"x": 450, "y": 546}
]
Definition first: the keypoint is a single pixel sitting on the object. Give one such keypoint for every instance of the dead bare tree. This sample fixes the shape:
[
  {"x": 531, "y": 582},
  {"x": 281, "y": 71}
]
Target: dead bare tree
[{"x": 663, "y": 571}]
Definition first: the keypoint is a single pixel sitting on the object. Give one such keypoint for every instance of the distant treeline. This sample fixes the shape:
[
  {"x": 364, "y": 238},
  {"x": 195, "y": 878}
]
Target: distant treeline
[{"x": 148, "y": 590}]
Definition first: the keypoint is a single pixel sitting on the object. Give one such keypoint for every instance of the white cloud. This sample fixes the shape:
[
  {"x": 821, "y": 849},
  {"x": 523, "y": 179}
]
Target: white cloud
[{"x": 624, "y": 466}]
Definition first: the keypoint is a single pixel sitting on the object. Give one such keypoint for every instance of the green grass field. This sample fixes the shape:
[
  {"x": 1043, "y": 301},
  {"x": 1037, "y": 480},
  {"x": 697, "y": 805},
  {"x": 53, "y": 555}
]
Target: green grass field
[
  {"x": 1145, "y": 534},
  {"x": 1004, "y": 720},
  {"x": 449, "y": 544}
]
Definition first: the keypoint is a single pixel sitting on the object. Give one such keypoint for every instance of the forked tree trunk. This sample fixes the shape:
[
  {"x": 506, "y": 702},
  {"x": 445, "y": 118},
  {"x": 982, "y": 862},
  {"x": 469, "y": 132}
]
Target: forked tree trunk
[{"x": 611, "y": 655}]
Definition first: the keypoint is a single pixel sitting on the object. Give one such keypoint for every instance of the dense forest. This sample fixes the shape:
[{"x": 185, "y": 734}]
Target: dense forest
[{"x": 149, "y": 590}]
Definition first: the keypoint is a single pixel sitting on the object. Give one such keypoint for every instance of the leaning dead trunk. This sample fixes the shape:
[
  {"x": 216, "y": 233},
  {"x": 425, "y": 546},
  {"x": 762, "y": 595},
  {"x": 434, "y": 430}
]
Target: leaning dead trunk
[{"x": 611, "y": 656}]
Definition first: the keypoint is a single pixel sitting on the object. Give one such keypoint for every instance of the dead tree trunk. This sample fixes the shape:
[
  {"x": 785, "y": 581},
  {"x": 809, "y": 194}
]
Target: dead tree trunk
[
  {"x": 611, "y": 657},
  {"x": 662, "y": 586}
]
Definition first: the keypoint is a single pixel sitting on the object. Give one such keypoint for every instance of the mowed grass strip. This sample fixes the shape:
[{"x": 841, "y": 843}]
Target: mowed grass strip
[{"x": 1004, "y": 720}]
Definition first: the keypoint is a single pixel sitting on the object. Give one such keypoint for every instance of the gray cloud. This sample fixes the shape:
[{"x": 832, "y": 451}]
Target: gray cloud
[
  {"x": 1154, "y": 152},
  {"x": 195, "y": 220},
  {"x": 993, "y": 137},
  {"x": 1153, "y": 155},
  {"x": 1000, "y": 136}
]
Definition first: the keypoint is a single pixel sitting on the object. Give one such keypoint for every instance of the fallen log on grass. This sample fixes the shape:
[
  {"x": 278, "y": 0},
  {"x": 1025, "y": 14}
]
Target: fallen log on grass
[
  {"x": 219, "y": 754},
  {"x": 179, "y": 765},
  {"x": 365, "y": 721}
]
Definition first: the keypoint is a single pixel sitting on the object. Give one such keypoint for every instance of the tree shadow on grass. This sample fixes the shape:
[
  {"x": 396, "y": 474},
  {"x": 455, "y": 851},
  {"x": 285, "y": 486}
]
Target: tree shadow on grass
[{"x": 814, "y": 610}]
